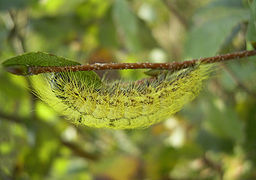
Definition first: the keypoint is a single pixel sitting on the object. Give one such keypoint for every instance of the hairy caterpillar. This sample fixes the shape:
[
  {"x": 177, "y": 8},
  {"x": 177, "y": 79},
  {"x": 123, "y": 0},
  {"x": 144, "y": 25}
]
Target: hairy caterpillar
[
  {"x": 120, "y": 105},
  {"x": 76, "y": 91}
]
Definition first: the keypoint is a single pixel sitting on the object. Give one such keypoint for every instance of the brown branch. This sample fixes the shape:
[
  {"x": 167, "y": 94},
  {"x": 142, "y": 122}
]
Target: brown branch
[
  {"x": 216, "y": 167},
  {"x": 174, "y": 66},
  {"x": 11, "y": 118},
  {"x": 79, "y": 151}
]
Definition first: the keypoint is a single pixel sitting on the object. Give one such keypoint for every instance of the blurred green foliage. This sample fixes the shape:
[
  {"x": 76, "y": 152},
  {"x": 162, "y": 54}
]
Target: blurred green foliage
[{"x": 214, "y": 137}]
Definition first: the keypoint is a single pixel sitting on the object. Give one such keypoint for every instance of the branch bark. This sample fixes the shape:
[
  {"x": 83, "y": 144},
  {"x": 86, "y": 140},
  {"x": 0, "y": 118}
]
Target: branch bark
[{"x": 174, "y": 66}]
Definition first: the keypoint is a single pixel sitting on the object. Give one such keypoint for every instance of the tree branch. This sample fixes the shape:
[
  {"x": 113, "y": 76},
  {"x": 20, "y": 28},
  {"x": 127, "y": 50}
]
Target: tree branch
[{"x": 174, "y": 66}]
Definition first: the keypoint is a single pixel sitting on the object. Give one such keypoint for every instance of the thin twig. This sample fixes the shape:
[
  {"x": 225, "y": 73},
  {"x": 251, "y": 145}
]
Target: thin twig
[
  {"x": 20, "y": 39},
  {"x": 175, "y": 12},
  {"x": 216, "y": 167},
  {"x": 70, "y": 145},
  {"x": 79, "y": 151},
  {"x": 11, "y": 118},
  {"x": 174, "y": 66},
  {"x": 238, "y": 82}
]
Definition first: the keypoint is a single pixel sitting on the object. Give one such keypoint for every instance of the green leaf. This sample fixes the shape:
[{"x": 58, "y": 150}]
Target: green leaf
[
  {"x": 210, "y": 141},
  {"x": 224, "y": 122},
  {"x": 248, "y": 114},
  {"x": 127, "y": 24},
  {"x": 91, "y": 9},
  {"x": 20, "y": 65},
  {"x": 9, "y": 89},
  {"x": 207, "y": 38},
  {"x": 38, "y": 59},
  {"x": 251, "y": 33},
  {"x": 226, "y": 3},
  {"x": 153, "y": 72},
  {"x": 17, "y": 4},
  {"x": 107, "y": 31}
]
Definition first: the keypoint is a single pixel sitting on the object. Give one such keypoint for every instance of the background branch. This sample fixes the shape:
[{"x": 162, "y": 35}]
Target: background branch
[
  {"x": 176, "y": 13},
  {"x": 239, "y": 83},
  {"x": 19, "y": 45},
  {"x": 70, "y": 145}
]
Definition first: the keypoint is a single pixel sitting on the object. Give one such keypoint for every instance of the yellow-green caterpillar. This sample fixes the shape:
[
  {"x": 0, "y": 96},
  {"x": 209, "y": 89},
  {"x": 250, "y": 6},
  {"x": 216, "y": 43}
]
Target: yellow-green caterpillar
[{"x": 120, "y": 105}]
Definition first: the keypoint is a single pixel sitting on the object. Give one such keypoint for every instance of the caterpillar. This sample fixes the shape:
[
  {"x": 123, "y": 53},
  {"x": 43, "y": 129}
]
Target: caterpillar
[
  {"x": 120, "y": 105},
  {"x": 75, "y": 90}
]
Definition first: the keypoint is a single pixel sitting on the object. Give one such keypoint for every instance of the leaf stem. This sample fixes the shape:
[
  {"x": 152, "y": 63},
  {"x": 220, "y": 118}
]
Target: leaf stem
[{"x": 173, "y": 66}]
